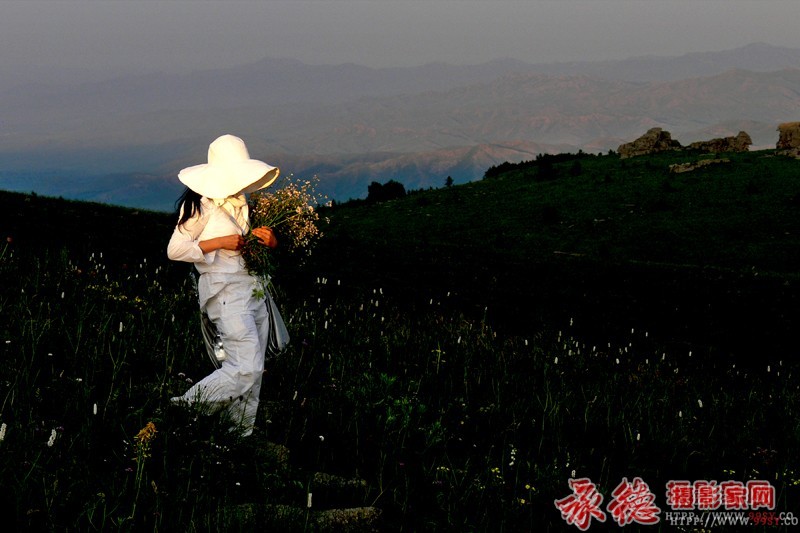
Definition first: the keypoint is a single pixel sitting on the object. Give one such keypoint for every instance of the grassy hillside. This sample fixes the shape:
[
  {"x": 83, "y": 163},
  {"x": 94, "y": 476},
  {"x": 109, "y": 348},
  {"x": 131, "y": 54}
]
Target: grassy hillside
[
  {"x": 707, "y": 257},
  {"x": 740, "y": 216},
  {"x": 36, "y": 223},
  {"x": 731, "y": 216},
  {"x": 605, "y": 240},
  {"x": 455, "y": 416}
]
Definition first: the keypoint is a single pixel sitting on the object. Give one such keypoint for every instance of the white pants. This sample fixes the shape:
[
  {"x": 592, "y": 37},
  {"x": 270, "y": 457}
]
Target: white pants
[{"x": 242, "y": 322}]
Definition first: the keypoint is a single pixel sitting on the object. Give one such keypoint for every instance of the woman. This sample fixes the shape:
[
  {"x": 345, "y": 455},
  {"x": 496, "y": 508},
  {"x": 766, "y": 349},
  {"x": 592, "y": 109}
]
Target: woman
[{"x": 212, "y": 222}]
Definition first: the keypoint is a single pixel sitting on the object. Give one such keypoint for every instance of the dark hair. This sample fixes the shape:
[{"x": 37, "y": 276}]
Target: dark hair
[{"x": 189, "y": 203}]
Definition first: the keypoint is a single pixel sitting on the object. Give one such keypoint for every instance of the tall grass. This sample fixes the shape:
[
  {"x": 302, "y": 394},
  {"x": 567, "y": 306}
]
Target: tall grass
[
  {"x": 90, "y": 357},
  {"x": 453, "y": 426},
  {"x": 463, "y": 429}
]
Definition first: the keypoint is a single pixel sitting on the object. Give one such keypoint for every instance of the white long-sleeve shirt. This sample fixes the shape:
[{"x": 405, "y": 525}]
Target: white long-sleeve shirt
[
  {"x": 218, "y": 268},
  {"x": 215, "y": 219}
]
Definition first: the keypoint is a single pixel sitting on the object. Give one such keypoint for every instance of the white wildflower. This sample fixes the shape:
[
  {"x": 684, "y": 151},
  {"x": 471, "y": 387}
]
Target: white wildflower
[
  {"x": 52, "y": 439},
  {"x": 3, "y": 432}
]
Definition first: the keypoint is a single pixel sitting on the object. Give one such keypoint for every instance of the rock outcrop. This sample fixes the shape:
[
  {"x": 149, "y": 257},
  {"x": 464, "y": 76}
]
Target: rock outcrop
[
  {"x": 658, "y": 140},
  {"x": 655, "y": 140},
  {"x": 680, "y": 168},
  {"x": 739, "y": 143},
  {"x": 789, "y": 140},
  {"x": 305, "y": 501}
]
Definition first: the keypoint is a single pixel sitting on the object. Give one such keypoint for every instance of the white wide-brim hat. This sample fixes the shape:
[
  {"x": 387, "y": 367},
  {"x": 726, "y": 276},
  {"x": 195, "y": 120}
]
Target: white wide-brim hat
[{"x": 229, "y": 170}]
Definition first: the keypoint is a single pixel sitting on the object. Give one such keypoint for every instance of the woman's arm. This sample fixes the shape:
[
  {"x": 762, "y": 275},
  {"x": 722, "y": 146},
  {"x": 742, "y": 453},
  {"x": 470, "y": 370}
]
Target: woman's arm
[
  {"x": 184, "y": 245},
  {"x": 228, "y": 242}
]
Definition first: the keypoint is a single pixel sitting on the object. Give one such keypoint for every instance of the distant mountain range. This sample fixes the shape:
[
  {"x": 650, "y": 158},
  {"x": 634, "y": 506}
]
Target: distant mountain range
[{"x": 351, "y": 125}]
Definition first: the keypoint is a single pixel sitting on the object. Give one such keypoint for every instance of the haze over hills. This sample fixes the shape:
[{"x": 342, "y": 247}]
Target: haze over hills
[{"x": 352, "y": 125}]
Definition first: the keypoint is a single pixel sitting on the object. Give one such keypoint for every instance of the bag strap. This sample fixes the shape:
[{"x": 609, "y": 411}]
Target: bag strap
[{"x": 233, "y": 218}]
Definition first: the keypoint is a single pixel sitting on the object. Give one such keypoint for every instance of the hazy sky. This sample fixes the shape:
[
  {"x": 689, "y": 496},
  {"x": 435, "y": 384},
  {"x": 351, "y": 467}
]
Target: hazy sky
[{"x": 177, "y": 34}]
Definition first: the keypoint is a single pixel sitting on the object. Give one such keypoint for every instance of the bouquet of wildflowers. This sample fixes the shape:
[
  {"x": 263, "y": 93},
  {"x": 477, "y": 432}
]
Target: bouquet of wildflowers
[{"x": 291, "y": 211}]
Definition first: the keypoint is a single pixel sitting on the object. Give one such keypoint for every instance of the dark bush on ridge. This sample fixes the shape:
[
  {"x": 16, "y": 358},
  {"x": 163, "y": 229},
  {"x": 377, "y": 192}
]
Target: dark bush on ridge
[
  {"x": 544, "y": 164},
  {"x": 390, "y": 190}
]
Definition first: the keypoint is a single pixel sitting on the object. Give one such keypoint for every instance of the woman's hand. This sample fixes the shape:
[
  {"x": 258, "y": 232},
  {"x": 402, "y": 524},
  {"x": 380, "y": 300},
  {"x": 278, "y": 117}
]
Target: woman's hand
[
  {"x": 266, "y": 236},
  {"x": 228, "y": 242}
]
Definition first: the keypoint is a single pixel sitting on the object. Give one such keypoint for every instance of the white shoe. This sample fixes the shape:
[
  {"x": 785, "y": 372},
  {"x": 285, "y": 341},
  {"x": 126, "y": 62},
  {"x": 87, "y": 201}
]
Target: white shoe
[{"x": 179, "y": 401}]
